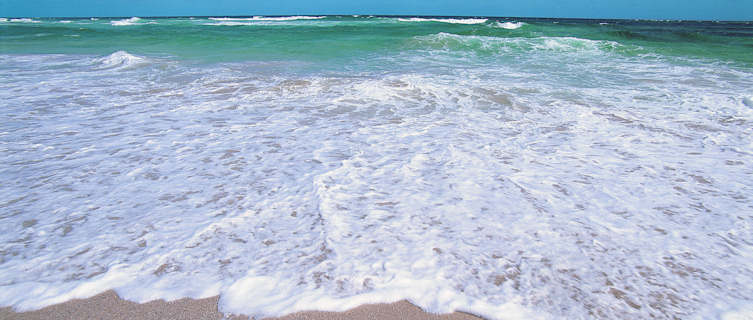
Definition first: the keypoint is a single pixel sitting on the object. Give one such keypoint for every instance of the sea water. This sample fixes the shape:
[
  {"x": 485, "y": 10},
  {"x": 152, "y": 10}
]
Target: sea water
[{"x": 511, "y": 168}]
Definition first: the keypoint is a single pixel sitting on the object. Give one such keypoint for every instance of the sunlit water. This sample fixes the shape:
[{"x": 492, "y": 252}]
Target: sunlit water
[{"x": 507, "y": 168}]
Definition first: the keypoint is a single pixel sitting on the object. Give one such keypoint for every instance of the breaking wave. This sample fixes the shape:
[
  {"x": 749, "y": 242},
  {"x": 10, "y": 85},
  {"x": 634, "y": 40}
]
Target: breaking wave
[
  {"x": 509, "y": 25},
  {"x": 449, "y": 41},
  {"x": 263, "y": 18},
  {"x": 125, "y": 22},
  {"x": 23, "y": 20},
  {"x": 120, "y": 60},
  {"x": 455, "y": 21}
]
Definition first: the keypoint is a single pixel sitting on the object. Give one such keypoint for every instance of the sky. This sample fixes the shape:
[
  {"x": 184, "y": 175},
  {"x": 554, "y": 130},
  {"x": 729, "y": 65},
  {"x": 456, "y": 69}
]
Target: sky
[{"x": 620, "y": 9}]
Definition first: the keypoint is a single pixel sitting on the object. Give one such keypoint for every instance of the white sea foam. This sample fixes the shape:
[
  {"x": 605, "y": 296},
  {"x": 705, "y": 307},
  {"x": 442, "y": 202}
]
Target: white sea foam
[
  {"x": 230, "y": 23},
  {"x": 3, "y": 19},
  {"x": 263, "y": 18},
  {"x": 538, "y": 45},
  {"x": 455, "y": 21},
  {"x": 744, "y": 312},
  {"x": 531, "y": 189},
  {"x": 24, "y": 20},
  {"x": 232, "y": 19},
  {"x": 120, "y": 60},
  {"x": 509, "y": 25},
  {"x": 65, "y": 21},
  {"x": 125, "y": 22}
]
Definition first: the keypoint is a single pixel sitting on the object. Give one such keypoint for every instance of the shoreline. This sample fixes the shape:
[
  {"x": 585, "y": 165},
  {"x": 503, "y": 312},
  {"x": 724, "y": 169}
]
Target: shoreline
[{"x": 108, "y": 305}]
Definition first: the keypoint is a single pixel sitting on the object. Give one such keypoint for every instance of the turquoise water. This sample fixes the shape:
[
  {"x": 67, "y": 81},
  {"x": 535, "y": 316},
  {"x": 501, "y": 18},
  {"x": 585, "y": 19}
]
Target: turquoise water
[
  {"x": 344, "y": 39},
  {"x": 511, "y": 168}
]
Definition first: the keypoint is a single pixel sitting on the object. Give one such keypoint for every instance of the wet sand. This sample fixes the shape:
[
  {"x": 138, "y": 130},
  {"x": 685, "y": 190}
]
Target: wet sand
[{"x": 108, "y": 305}]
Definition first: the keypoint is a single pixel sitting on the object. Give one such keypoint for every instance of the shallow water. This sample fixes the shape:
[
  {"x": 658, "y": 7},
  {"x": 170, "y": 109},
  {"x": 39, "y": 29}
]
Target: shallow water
[{"x": 505, "y": 167}]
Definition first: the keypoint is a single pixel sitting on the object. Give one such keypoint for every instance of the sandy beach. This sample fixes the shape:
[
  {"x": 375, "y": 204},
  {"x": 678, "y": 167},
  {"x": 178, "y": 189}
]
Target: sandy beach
[{"x": 108, "y": 305}]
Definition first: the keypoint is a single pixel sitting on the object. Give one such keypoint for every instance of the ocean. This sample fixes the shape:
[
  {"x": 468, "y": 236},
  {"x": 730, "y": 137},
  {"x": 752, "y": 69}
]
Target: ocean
[{"x": 506, "y": 167}]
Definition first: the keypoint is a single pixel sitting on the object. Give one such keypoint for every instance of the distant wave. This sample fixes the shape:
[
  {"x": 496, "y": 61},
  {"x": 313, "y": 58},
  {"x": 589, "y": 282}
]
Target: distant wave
[
  {"x": 24, "y": 20},
  {"x": 229, "y": 23},
  {"x": 509, "y": 25},
  {"x": 473, "y": 43},
  {"x": 288, "y": 18},
  {"x": 456, "y": 21},
  {"x": 262, "y": 18},
  {"x": 125, "y": 22},
  {"x": 231, "y": 19}
]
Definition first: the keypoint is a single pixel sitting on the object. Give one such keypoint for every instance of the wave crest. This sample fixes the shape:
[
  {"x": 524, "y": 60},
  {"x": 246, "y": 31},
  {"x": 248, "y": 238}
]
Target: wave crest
[
  {"x": 125, "y": 22},
  {"x": 120, "y": 60},
  {"x": 23, "y": 20},
  {"x": 260, "y": 18},
  {"x": 454, "y": 21},
  {"x": 449, "y": 41},
  {"x": 263, "y": 18},
  {"x": 509, "y": 25}
]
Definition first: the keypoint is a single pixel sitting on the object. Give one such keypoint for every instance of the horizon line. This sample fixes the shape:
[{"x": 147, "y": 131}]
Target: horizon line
[{"x": 374, "y": 15}]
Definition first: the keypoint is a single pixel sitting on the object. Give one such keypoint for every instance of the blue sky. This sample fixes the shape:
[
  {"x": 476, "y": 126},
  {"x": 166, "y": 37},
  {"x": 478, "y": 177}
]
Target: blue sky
[{"x": 629, "y": 9}]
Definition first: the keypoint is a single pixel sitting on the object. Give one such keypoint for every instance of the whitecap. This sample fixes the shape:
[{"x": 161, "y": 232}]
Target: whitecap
[
  {"x": 231, "y": 19},
  {"x": 229, "y": 23},
  {"x": 65, "y": 21},
  {"x": 450, "y": 41},
  {"x": 455, "y": 21},
  {"x": 509, "y": 25},
  {"x": 24, "y": 20},
  {"x": 261, "y": 18},
  {"x": 125, "y": 22},
  {"x": 575, "y": 44},
  {"x": 120, "y": 60}
]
